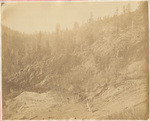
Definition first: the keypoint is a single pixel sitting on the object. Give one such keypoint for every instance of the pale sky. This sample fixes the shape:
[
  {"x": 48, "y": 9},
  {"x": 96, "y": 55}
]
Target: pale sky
[{"x": 43, "y": 16}]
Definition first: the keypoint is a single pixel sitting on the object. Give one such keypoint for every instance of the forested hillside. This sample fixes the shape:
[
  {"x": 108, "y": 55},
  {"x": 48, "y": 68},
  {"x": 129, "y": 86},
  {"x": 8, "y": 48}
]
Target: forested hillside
[{"x": 99, "y": 67}]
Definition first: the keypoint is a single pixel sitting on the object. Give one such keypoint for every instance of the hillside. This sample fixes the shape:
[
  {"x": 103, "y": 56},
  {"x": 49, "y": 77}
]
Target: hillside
[{"x": 98, "y": 69}]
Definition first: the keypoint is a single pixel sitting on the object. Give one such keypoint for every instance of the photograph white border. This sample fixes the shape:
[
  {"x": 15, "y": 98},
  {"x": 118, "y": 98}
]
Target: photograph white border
[{"x": 13, "y": 1}]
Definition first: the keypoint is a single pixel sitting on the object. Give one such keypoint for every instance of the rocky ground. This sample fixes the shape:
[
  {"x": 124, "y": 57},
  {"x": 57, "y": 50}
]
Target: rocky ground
[{"x": 117, "y": 101}]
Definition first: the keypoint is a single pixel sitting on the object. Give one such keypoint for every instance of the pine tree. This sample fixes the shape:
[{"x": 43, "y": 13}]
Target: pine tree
[
  {"x": 116, "y": 13},
  {"x": 128, "y": 8},
  {"x": 58, "y": 29},
  {"x": 39, "y": 37},
  {"x": 76, "y": 26},
  {"x": 116, "y": 21},
  {"x": 91, "y": 18},
  {"x": 58, "y": 37},
  {"x": 124, "y": 9}
]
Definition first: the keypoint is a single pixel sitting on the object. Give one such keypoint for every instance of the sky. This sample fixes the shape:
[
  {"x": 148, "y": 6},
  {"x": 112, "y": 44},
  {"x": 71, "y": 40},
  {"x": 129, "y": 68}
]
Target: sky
[{"x": 44, "y": 16}]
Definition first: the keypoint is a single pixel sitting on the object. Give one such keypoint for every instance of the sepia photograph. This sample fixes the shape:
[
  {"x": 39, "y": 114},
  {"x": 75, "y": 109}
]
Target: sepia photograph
[{"x": 75, "y": 60}]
